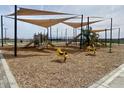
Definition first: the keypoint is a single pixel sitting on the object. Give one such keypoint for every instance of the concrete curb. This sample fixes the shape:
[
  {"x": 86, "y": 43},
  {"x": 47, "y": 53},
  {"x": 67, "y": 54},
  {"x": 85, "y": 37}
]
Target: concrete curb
[
  {"x": 103, "y": 83},
  {"x": 11, "y": 79}
]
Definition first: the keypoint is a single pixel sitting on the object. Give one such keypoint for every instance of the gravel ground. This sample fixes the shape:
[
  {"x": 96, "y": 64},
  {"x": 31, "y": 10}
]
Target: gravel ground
[{"x": 42, "y": 68}]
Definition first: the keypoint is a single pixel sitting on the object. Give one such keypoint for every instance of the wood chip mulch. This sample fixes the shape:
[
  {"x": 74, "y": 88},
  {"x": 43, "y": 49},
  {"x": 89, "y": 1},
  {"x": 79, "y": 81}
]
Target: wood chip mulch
[{"x": 42, "y": 68}]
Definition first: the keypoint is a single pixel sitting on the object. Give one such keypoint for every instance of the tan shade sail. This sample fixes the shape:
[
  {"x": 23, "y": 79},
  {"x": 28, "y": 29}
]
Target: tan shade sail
[
  {"x": 24, "y": 11},
  {"x": 45, "y": 22},
  {"x": 101, "y": 30},
  {"x": 98, "y": 30},
  {"x": 79, "y": 17},
  {"x": 77, "y": 25}
]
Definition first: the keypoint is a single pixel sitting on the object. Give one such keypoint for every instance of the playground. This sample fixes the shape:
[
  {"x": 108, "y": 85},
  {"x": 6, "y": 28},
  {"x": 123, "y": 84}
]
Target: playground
[{"x": 76, "y": 61}]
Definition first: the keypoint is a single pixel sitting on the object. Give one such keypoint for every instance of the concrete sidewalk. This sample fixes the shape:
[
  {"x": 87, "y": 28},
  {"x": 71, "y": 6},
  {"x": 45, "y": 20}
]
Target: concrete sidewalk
[
  {"x": 4, "y": 83},
  {"x": 7, "y": 79},
  {"x": 115, "y": 79}
]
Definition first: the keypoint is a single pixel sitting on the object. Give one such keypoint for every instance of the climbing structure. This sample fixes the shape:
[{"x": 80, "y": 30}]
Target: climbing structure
[
  {"x": 88, "y": 38},
  {"x": 89, "y": 41},
  {"x": 39, "y": 41}
]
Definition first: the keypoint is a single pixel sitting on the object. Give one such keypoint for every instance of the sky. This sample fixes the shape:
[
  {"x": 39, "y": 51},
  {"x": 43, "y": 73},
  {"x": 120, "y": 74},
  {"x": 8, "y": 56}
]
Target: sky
[{"x": 26, "y": 30}]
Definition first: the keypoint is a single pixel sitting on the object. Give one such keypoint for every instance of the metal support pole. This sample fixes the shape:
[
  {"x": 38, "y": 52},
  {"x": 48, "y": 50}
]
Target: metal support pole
[
  {"x": 40, "y": 39},
  {"x": 81, "y": 32},
  {"x": 15, "y": 30},
  {"x": 110, "y": 46},
  {"x": 43, "y": 36},
  {"x": 119, "y": 36},
  {"x": 2, "y": 31},
  {"x": 5, "y": 34},
  {"x": 47, "y": 33},
  {"x": 105, "y": 37},
  {"x": 88, "y": 29}
]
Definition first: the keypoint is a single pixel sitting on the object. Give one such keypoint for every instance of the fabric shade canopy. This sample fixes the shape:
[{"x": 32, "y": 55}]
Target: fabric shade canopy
[
  {"x": 101, "y": 30},
  {"x": 79, "y": 17},
  {"x": 45, "y": 22},
  {"x": 77, "y": 25},
  {"x": 98, "y": 30},
  {"x": 24, "y": 11}
]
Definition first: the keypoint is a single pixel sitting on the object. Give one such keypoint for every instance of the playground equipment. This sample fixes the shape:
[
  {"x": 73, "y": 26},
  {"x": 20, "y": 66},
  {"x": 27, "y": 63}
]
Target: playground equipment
[
  {"x": 27, "y": 45},
  {"x": 89, "y": 37},
  {"x": 73, "y": 39},
  {"x": 40, "y": 41},
  {"x": 90, "y": 41},
  {"x": 91, "y": 50},
  {"x": 62, "y": 54}
]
